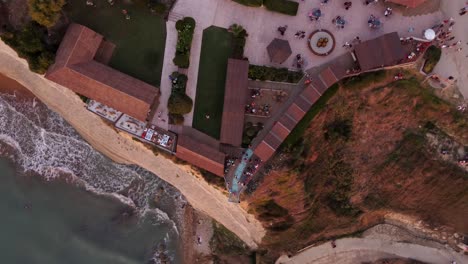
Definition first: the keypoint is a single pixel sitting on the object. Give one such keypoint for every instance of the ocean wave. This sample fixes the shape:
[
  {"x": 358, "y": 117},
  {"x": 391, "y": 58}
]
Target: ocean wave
[{"x": 46, "y": 145}]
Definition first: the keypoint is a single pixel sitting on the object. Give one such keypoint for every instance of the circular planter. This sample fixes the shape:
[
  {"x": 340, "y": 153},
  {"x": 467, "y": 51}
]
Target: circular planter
[{"x": 321, "y": 42}]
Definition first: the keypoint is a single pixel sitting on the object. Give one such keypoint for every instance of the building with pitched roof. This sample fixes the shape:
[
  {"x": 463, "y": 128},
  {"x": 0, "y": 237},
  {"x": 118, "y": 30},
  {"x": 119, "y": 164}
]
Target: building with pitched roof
[
  {"x": 380, "y": 52},
  {"x": 235, "y": 98},
  {"x": 77, "y": 68}
]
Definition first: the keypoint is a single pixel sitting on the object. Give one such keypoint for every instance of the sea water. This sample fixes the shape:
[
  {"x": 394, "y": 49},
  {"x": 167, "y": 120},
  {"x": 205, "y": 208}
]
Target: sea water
[{"x": 61, "y": 201}]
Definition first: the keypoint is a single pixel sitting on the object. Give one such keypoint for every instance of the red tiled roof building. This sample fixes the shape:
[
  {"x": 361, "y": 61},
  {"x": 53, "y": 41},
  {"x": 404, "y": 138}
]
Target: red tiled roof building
[{"x": 76, "y": 68}]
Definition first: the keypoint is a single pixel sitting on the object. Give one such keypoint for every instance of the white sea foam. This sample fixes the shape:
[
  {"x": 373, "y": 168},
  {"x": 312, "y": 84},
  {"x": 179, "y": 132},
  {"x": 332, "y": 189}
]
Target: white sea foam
[{"x": 45, "y": 144}]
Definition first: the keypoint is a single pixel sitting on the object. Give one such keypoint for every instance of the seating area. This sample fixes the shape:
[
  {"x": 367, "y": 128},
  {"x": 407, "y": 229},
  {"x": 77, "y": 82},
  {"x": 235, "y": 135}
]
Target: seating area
[
  {"x": 103, "y": 110},
  {"x": 159, "y": 137}
]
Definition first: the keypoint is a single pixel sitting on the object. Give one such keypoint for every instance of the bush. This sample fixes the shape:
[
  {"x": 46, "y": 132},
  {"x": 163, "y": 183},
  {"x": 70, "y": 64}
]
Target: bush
[
  {"x": 29, "y": 44},
  {"x": 432, "y": 57},
  {"x": 176, "y": 119},
  {"x": 263, "y": 73},
  {"x": 282, "y": 6},
  {"x": 270, "y": 209},
  {"x": 179, "y": 82},
  {"x": 157, "y": 7},
  {"x": 185, "y": 28},
  {"x": 340, "y": 128},
  {"x": 239, "y": 35},
  {"x": 179, "y": 103},
  {"x": 182, "y": 60},
  {"x": 254, "y": 3},
  {"x": 45, "y": 12}
]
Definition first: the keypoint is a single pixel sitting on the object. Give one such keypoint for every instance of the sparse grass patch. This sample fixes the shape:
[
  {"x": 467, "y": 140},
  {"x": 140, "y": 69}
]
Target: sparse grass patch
[
  {"x": 432, "y": 57},
  {"x": 213, "y": 179},
  {"x": 225, "y": 242},
  {"x": 269, "y": 210},
  {"x": 364, "y": 80}
]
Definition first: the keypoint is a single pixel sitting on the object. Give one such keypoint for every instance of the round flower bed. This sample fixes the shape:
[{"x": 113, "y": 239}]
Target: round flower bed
[{"x": 321, "y": 42}]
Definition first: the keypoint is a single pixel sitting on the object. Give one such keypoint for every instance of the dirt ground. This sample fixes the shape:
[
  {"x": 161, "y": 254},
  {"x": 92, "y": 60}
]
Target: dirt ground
[{"x": 335, "y": 186}]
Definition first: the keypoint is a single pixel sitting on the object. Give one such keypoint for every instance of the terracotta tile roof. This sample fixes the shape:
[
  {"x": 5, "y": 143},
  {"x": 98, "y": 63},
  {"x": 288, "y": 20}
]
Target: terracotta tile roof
[
  {"x": 328, "y": 77},
  {"x": 303, "y": 103},
  {"x": 287, "y": 122},
  {"x": 235, "y": 98},
  {"x": 273, "y": 140},
  {"x": 280, "y": 131},
  {"x": 408, "y": 3},
  {"x": 385, "y": 50},
  {"x": 264, "y": 151},
  {"x": 279, "y": 50},
  {"x": 295, "y": 112},
  {"x": 200, "y": 155},
  {"x": 338, "y": 70},
  {"x": 318, "y": 84},
  {"x": 76, "y": 69},
  {"x": 310, "y": 94}
]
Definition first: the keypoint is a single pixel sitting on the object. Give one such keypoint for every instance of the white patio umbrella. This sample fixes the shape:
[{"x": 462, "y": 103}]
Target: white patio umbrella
[{"x": 429, "y": 34}]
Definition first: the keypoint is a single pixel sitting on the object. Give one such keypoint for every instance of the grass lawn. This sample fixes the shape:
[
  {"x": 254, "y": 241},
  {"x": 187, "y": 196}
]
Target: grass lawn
[
  {"x": 139, "y": 41},
  {"x": 215, "y": 51}
]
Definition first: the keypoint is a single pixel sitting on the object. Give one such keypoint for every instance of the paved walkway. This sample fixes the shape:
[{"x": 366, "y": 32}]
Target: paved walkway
[
  {"x": 262, "y": 24},
  {"x": 358, "y": 250},
  {"x": 453, "y": 63},
  {"x": 168, "y": 69}
]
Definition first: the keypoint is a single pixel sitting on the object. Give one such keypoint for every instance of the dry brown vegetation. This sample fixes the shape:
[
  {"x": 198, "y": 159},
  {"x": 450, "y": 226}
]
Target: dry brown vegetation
[{"x": 365, "y": 153}]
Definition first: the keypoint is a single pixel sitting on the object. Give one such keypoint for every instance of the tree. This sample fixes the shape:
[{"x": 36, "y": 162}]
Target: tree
[
  {"x": 236, "y": 30},
  {"x": 179, "y": 103},
  {"x": 45, "y": 12}
]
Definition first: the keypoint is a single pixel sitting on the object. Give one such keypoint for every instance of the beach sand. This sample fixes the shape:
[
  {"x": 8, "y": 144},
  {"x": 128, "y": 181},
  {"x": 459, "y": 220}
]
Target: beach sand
[{"x": 120, "y": 147}]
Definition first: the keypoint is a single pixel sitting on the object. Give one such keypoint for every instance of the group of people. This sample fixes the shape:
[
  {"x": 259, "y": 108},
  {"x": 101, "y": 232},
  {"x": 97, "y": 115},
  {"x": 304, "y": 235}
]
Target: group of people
[
  {"x": 300, "y": 34},
  {"x": 282, "y": 29},
  {"x": 463, "y": 10},
  {"x": 299, "y": 61},
  {"x": 373, "y": 22},
  {"x": 444, "y": 35}
]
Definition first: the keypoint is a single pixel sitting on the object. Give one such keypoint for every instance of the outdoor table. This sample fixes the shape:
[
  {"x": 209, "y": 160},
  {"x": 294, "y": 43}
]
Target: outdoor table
[
  {"x": 315, "y": 14},
  {"x": 340, "y": 22}
]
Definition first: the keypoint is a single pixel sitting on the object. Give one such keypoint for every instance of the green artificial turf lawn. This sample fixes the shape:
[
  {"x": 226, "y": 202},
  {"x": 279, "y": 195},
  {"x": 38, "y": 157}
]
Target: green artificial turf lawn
[
  {"x": 209, "y": 100},
  {"x": 139, "y": 41}
]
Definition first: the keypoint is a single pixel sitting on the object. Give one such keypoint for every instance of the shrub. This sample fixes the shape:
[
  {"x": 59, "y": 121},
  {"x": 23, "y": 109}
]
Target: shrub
[
  {"x": 339, "y": 128},
  {"x": 45, "y": 12},
  {"x": 179, "y": 103},
  {"x": 29, "y": 44},
  {"x": 157, "y": 7},
  {"x": 179, "y": 82},
  {"x": 263, "y": 73},
  {"x": 185, "y": 28},
  {"x": 176, "y": 119},
  {"x": 182, "y": 60},
  {"x": 432, "y": 57},
  {"x": 270, "y": 209},
  {"x": 254, "y": 3},
  {"x": 282, "y": 6}
]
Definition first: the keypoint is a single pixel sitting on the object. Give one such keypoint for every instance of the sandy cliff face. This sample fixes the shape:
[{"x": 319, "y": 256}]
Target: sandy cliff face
[{"x": 121, "y": 148}]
